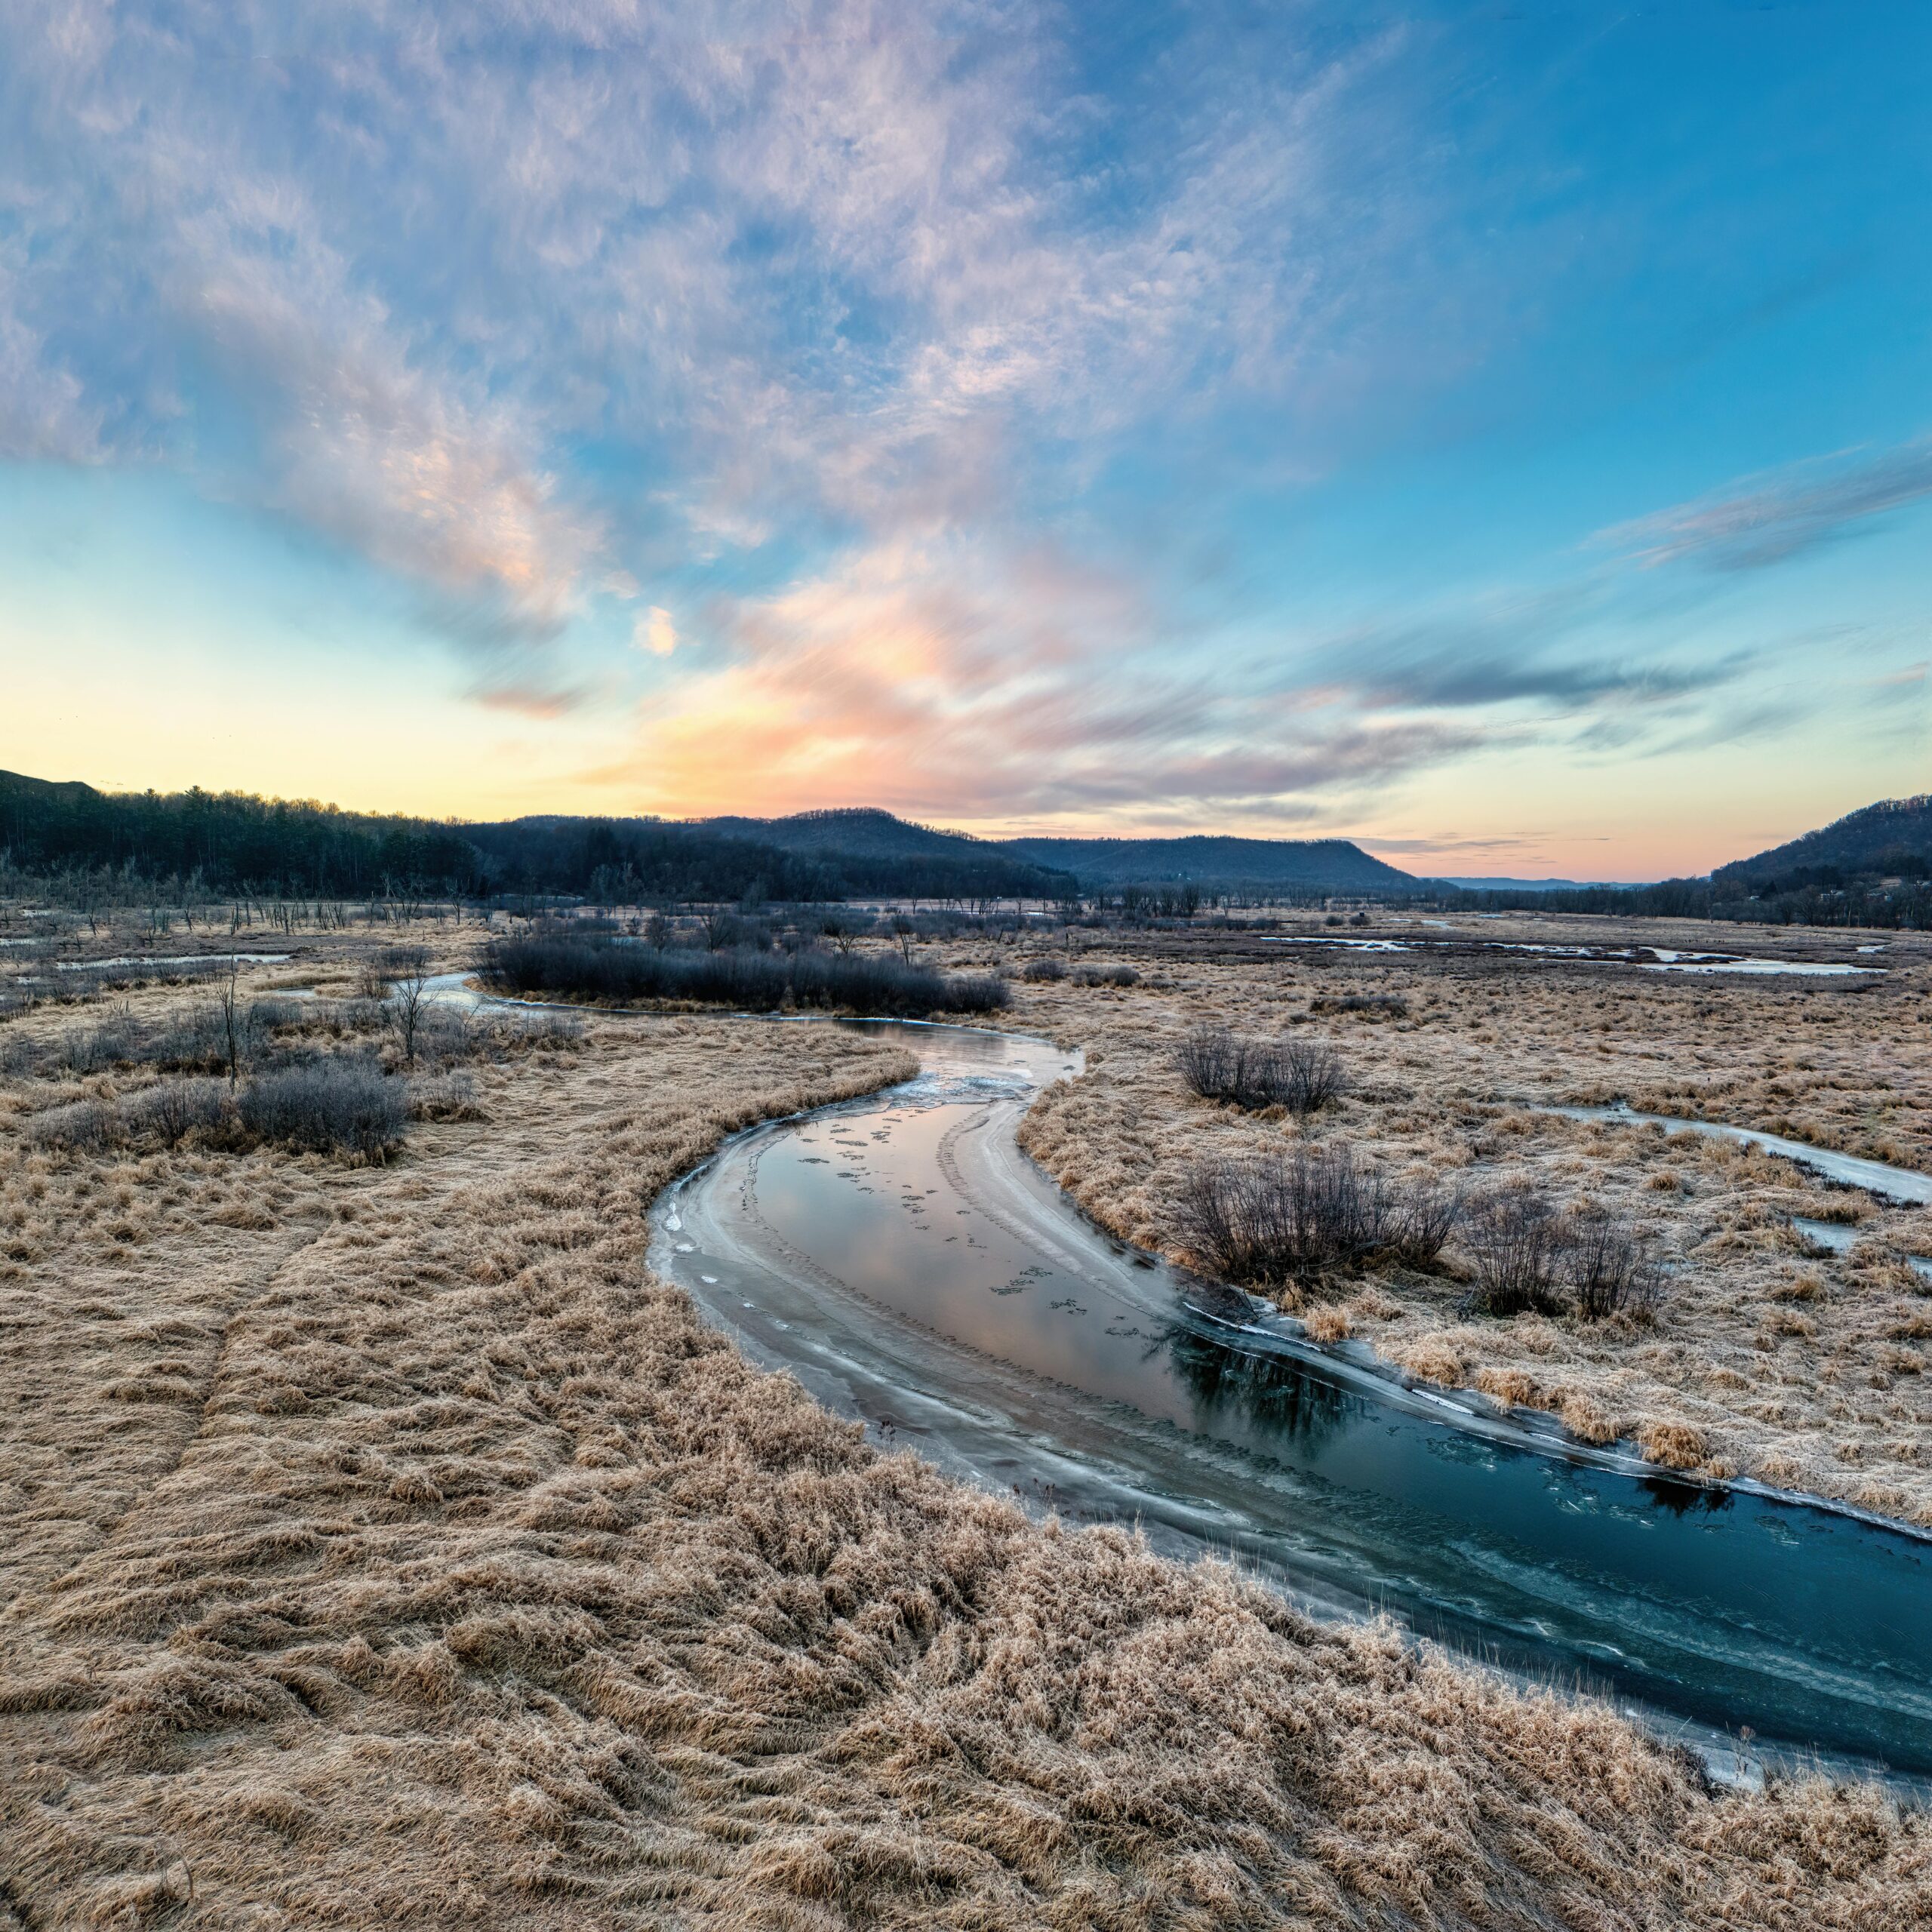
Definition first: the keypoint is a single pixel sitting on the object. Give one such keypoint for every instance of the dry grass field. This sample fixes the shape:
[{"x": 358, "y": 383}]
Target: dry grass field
[
  {"x": 380, "y": 1545},
  {"x": 1807, "y": 1371}
]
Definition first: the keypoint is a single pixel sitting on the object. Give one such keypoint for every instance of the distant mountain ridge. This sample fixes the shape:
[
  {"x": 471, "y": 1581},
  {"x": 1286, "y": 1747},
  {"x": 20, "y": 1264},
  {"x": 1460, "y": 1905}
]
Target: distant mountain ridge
[
  {"x": 1218, "y": 863},
  {"x": 865, "y": 831},
  {"x": 1210, "y": 861},
  {"x": 233, "y": 841},
  {"x": 1873, "y": 866}
]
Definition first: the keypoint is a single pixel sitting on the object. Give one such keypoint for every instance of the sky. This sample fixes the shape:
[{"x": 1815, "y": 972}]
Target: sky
[{"x": 1499, "y": 433}]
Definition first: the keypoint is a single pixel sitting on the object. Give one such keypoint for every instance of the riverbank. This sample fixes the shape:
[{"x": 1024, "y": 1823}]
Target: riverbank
[{"x": 383, "y": 1545}]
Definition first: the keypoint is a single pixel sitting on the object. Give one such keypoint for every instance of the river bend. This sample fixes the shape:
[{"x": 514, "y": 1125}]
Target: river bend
[{"x": 904, "y": 1260}]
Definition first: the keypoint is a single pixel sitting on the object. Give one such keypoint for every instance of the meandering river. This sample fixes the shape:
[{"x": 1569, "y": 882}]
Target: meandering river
[{"x": 902, "y": 1259}]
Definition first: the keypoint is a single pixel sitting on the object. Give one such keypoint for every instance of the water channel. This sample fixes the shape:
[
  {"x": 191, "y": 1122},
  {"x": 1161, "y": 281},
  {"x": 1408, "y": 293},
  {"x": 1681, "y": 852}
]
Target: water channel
[{"x": 902, "y": 1258}]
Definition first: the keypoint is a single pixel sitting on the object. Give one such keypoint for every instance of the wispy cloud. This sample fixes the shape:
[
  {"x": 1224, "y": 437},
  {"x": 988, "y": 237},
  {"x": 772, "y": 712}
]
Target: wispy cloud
[
  {"x": 847, "y": 378},
  {"x": 654, "y": 633},
  {"x": 1770, "y": 519},
  {"x": 984, "y": 684},
  {"x": 1421, "y": 668},
  {"x": 46, "y": 414},
  {"x": 1566, "y": 651},
  {"x": 851, "y": 274},
  {"x": 1520, "y": 846},
  {"x": 525, "y": 702}
]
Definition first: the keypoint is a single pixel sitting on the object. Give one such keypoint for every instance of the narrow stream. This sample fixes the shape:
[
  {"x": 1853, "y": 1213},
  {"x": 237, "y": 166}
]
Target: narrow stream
[
  {"x": 1888, "y": 1182},
  {"x": 902, "y": 1259}
]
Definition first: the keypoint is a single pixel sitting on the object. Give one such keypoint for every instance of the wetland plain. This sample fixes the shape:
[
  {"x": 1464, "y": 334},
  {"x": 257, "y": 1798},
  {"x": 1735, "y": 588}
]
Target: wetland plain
[{"x": 387, "y": 1540}]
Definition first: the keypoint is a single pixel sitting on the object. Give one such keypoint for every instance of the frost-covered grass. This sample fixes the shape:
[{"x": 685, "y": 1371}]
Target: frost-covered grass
[{"x": 382, "y": 1546}]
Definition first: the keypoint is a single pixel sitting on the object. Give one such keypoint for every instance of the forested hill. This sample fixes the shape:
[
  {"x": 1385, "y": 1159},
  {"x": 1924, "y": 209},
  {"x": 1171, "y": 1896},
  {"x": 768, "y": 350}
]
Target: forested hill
[
  {"x": 1871, "y": 868},
  {"x": 1892, "y": 839},
  {"x": 232, "y": 842},
  {"x": 1212, "y": 863},
  {"x": 1216, "y": 864},
  {"x": 861, "y": 832},
  {"x": 732, "y": 858}
]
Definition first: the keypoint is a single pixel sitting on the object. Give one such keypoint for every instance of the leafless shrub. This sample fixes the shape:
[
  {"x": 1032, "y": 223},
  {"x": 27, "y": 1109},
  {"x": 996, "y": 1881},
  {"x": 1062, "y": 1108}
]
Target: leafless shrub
[
  {"x": 332, "y": 1105},
  {"x": 1216, "y": 1065},
  {"x": 1425, "y": 1217},
  {"x": 112, "y": 1042},
  {"x": 1221, "y": 1216},
  {"x": 1106, "y": 976},
  {"x": 977, "y": 992},
  {"x": 172, "y": 1111},
  {"x": 1517, "y": 1240},
  {"x": 341, "y": 1018},
  {"x": 203, "y": 1038},
  {"x": 446, "y": 1033},
  {"x": 1272, "y": 1219},
  {"x": 1310, "y": 1075},
  {"x": 736, "y": 976},
  {"x": 536, "y": 1026},
  {"x": 1609, "y": 1267},
  {"x": 1299, "y": 1074},
  {"x": 449, "y": 1036},
  {"x": 195, "y": 1038},
  {"x": 1048, "y": 967}
]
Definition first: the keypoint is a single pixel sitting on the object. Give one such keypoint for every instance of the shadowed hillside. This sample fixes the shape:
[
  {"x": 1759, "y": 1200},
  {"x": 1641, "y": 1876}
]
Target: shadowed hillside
[
  {"x": 1324, "y": 865},
  {"x": 231, "y": 841},
  {"x": 1212, "y": 863},
  {"x": 234, "y": 842},
  {"x": 867, "y": 844},
  {"x": 863, "y": 831},
  {"x": 1892, "y": 839},
  {"x": 1872, "y": 867}
]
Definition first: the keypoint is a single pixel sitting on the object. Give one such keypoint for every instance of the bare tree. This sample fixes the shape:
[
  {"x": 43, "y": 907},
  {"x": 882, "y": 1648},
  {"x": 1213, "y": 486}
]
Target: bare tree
[
  {"x": 903, "y": 930},
  {"x": 234, "y": 1021},
  {"x": 409, "y": 984}
]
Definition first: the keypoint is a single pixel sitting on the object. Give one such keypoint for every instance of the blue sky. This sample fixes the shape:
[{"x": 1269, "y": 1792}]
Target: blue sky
[{"x": 1502, "y": 433}]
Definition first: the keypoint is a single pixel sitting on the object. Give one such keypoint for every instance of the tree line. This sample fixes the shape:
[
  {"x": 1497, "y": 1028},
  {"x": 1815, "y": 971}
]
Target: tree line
[
  {"x": 1887, "y": 900},
  {"x": 234, "y": 842}
]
